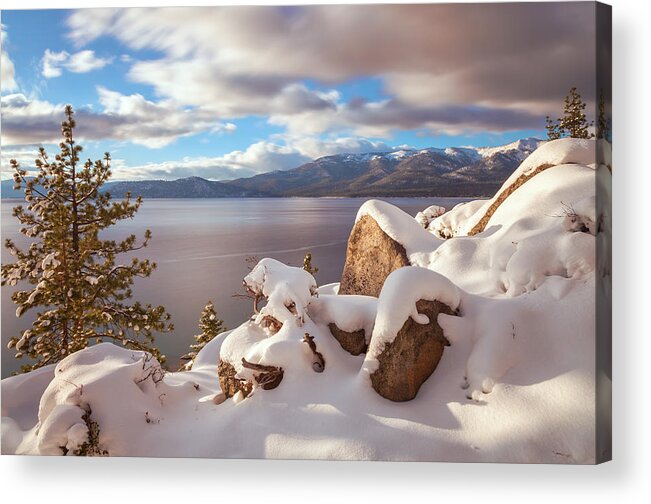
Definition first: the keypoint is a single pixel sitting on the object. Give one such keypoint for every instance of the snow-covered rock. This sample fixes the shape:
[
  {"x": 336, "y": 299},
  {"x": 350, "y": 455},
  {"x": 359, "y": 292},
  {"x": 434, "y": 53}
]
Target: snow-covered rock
[
  {"x": 273, "y": 338},
  {"x": 407, "y": 341},
  {"x": 397, "y": 302},
  {"x": 287, "y": 290}
]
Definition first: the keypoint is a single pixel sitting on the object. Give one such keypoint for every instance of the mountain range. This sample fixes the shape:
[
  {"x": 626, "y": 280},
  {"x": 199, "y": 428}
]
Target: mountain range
[{"x": 455, "y": 171}]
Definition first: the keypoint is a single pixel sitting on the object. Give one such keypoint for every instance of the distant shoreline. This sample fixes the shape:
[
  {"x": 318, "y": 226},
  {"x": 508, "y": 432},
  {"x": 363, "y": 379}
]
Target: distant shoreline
[{"x": 10, "y": 199}]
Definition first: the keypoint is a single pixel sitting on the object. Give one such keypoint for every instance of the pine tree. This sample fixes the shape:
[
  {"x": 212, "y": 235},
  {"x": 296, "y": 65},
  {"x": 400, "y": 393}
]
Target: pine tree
[
  {"x": 307, "y": 264},
  {"x": 209, "y": 327},
  {"x": 553, "y": 129},
  {"x": 573, "y": 124},
  {"x": 70, "y": 271},
  {"x": 603, "y": 130}
]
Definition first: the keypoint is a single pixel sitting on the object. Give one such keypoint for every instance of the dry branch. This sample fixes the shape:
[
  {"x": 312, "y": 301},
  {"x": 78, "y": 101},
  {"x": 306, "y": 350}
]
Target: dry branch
[{"x": 318, "y": 364}]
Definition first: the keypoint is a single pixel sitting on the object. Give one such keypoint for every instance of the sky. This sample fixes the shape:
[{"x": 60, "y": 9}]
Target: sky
[{"x": 229, "y": 92}]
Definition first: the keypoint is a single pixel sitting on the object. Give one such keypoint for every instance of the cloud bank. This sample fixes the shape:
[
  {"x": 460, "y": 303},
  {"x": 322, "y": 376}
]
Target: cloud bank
[
  {"x": 494, "y": 67},
  {"x": 123, "y": 117}
]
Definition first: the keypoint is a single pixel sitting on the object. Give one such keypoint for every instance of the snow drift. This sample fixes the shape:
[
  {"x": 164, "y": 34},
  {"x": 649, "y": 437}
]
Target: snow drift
[{"x": 516, "y": 384}]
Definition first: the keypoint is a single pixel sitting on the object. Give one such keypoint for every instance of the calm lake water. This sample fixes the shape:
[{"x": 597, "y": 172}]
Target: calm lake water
[{"x": 201, "y": 245}]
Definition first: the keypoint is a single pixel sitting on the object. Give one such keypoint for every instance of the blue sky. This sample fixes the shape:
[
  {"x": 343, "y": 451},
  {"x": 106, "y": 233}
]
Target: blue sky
[{"x": 230, "y": 92}]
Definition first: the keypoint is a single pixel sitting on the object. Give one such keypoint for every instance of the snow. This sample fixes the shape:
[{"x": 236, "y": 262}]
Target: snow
[
  {"x": 400, "y": 154},
  {"x": 285, "y": 289},
  {"x": 349, "y": 313},
  {"x": 424, "y": 217},
  {"x": 516, "y": 384},
  {"x": 450, "y": 225},
  {"x": 332, "y": 288},
  {"x": 525, "y": 146}
]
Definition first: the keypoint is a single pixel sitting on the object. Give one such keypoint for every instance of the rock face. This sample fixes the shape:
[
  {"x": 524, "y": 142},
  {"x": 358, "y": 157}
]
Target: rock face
[
  {"x": 353, "y": 342},
  {"x": 229, "y": 384},
  {"x": 370, "y": 257},
  {"x": 412, "y": 357}
]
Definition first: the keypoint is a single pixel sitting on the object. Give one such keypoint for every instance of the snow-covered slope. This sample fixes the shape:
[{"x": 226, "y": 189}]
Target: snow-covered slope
[{"x": 517, "y": 383}]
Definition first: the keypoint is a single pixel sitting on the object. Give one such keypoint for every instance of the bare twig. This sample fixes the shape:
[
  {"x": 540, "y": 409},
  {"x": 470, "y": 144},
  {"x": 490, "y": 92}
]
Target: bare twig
[
  {"x": 151, "y": 370},
  {"x": 318, "y": 363}
]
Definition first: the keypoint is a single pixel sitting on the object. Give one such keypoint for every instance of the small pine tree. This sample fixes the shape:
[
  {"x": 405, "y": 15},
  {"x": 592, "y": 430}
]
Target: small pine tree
[
  {"x": 307, "y": 264},
  {"x": 209, "y": 327},
  {"x": 603, "y": 129},
  {"x": 70, "y": 271},
  {"x": 573, "y": 124}
]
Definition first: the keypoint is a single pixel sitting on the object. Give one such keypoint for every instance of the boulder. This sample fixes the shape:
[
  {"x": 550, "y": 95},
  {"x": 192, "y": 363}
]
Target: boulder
[
  {"x": 353, "y": 342},
  {"x": 406, "y": 362},
  {"x": 229, "y": 383},
  {"x": 370, "y": 257}
]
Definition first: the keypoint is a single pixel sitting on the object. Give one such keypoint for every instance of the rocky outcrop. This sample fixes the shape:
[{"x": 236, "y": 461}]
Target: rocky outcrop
[
  {"x": 371, "y": 256},
  {"x": 406, "y": 362},
  {"x": 229, "y": 383},
  {"x": 353, "y": 342}
]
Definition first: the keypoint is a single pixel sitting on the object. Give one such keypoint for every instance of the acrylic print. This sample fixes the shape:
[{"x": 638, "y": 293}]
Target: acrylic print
[{"x": 349, "y": 232}]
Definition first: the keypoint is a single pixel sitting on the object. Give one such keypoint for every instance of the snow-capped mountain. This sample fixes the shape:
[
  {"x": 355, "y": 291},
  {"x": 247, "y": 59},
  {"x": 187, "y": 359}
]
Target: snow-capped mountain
[{"x": 454, "y": 171}]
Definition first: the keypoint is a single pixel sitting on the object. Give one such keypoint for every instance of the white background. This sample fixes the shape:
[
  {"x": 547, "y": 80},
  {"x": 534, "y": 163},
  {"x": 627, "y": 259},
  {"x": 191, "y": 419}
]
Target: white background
[{"x": 626, "y": 479}]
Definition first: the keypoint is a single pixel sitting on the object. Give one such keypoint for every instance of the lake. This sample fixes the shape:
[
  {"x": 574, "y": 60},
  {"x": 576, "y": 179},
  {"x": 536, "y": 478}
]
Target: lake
[{"x": 201, "y": 246}]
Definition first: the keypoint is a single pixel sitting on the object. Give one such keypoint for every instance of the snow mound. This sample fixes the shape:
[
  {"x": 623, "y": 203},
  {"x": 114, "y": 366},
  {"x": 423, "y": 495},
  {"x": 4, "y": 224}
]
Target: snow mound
[
  {"x": 120, "y": 389},
  {"x": 20, "y": 398},
  {"x": 527, "y": 240}
]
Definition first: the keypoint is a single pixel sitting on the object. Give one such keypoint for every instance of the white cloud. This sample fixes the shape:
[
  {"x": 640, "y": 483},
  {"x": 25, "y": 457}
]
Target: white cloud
[
  {"x": 7, "y": 71},
  {"x": 130, "y": 118},
  {"x": 315, "y": 147},
  {"x": 259, "y": 157},
  {"x": 85, "y": 61}
]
